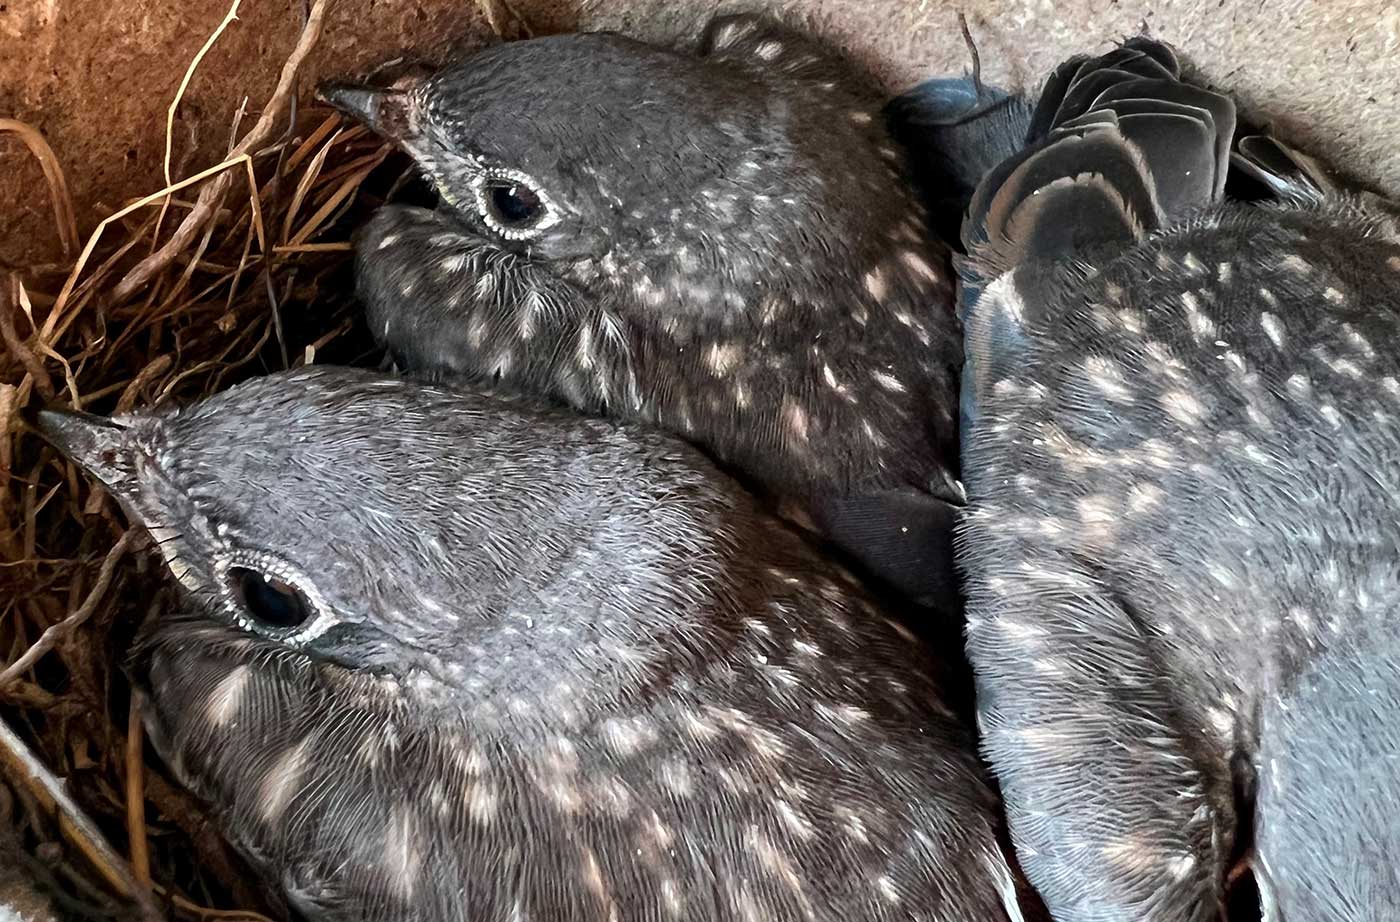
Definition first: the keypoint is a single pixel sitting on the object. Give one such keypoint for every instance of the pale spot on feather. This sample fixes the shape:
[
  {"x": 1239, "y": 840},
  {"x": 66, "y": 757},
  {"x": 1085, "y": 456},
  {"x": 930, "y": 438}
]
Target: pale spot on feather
[
  {"x": 626, "y": 737},
  {"x": 672, "y": 896},
  {"x": 769, "y": 50},
  {"x": 1181, "y": 866},
  {"x": 613, "y": 796},
  {"x": 846, "y": 715},
  {"x": 476, "y": 331},
  {"x": 731, "y": 32},
  {"x": 659, "y": 833},
  {"x": 227, "y": 695},
  {"x": 402, "y": 859},
  {"x": 481, "y": 802},
  {"x": 471, "y": 761},
  {"x": 1272, "y": 328},
  {"x": 888, "y": 381},
  {"x": 283, "y": 780},
  {"x": 1295, "y": 263},
  {"x": 1346, "y": 367},
  {"x": 798, "y": 824},
  {"x": 919, "y": 266},
  {"x": 1299, "y": 385},
  {"x": 876, "y": 284},
  {"x": 887, "y": 889},
  {"x": 593, "y": 877},
  {"x": 1201, "y": 325},
  {"x": 456, "y": 263},
  {"x": 1358, "y": 342},
  {"x": 387, "y": 241},
  {"x": 776, "y": 863},
  {"x": 1192, "y": 264},
  {"x": 860, "y": 117},
  {"x": 1019, "y": 633},
  {"x": 1144, "y": 497},
  {"x": 675, "y": 775},
  {"x": 829, "y": 377},
  {"x": 1333, "y": 295},
  {"x": 1131, "y": 320},
  {"x": 698, "y": 728},
  {"x": 1048, "y": 738},
  {"x": 1105, "y": 375},
  {"x": 795, "y": 418},
  {"x": 1132, "y": 854},
  {"x": 723, "y": 358},
  {"x": 1183, "y": 407}
]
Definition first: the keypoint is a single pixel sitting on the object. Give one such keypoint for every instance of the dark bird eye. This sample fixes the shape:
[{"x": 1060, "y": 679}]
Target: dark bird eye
[
  {"x": 512, "y": 205},
  {"x": 269, "y": 600}
]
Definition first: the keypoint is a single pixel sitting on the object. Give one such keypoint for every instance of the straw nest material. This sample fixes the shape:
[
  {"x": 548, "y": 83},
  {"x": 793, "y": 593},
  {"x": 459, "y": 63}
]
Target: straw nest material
[{"x": 231, "y": 271}]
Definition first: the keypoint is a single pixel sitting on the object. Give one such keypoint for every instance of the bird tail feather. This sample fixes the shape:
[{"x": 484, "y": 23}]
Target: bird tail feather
[{"x": 1118, "y": 145}]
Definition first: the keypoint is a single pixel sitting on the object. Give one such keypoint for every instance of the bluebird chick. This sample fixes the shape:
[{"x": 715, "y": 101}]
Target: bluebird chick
[
  {"x": 447, "y": 657},
  {"x": 720, "y": 241},
  {"x": 1182, "y": 419}
]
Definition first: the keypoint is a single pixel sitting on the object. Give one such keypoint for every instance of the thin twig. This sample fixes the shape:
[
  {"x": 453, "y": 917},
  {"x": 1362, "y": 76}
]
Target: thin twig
[
  {"x": 59, "y": 196},
  {"x": 52, "y": 327},
  {"x": 157, "y": 367},
  {"x": 9, "y": 306},
  {"x": 971, "y": 50},
  {"x": 228, "y": 20},
  {"x": 213, "y": 853},
  {"x": 212, "y": 195},
  {"x": 54, "y": 633},
  {"x": 136, "y": 795},
  {"x": 24, "y": 767}
]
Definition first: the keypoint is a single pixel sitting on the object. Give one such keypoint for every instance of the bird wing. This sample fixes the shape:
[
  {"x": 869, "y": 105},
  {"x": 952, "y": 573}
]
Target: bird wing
[{"x": 1117, "y": 147}]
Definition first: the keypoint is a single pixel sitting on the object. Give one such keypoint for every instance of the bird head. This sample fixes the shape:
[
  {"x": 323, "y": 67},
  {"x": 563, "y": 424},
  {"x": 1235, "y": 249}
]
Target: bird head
[
  {"x": 693, "y": 179},
  {"x": 720, "y": 241},
  {"x": 391, "y": 592}
]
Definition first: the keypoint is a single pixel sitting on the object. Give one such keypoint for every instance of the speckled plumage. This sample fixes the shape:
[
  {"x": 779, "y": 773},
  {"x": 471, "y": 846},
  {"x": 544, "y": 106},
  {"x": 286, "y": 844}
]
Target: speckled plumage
[
  {"x": 730, "y": 249},
  {"x": 556, "y": 669},
  {"x": 1183, "y": 421}
]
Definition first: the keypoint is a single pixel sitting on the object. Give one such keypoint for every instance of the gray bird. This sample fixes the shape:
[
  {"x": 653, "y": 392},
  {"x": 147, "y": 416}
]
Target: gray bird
[
  {"x": 1182, "y": 425},
  {"x": 721, "y": 241},
  {"x": 445, "y": 657}
]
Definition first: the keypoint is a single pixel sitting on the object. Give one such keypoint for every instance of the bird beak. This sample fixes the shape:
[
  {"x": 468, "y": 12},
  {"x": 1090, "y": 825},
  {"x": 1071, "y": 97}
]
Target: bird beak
[
  {"x": 388, "y": 112},
  {"x": 100, "y": 446}
]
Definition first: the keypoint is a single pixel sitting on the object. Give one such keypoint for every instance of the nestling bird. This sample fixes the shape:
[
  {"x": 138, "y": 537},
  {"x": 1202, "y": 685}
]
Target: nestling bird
[
  {"x": 1182, "y": 419},
  {"x": 443, "y": 656},
  {"x": 720, "y": 241}
]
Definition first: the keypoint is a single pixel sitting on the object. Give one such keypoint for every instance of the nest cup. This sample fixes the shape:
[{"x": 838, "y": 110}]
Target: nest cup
[{"x": 232, "y": 270}]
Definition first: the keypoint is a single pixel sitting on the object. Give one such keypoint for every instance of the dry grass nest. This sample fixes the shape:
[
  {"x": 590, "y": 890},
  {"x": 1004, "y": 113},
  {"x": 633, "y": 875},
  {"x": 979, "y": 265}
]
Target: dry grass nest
[{"x": 231, "y": 271}]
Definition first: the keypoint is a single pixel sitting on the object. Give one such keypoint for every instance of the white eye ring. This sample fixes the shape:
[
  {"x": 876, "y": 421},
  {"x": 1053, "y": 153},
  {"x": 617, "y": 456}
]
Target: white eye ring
[
  {"x": 320, "y": 617},
  {"x": 488, "y": 180}
]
